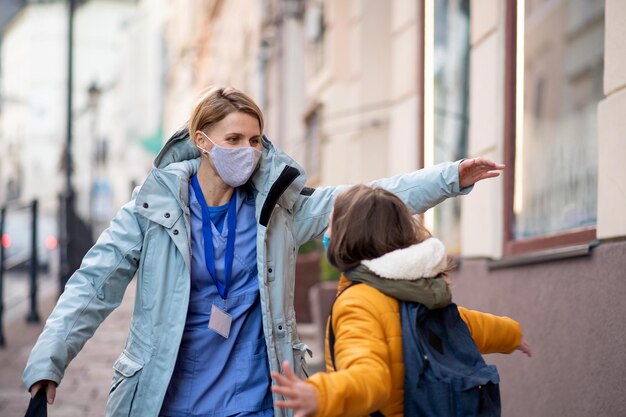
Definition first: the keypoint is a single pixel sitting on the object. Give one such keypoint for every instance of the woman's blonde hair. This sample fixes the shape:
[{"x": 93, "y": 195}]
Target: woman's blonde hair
[{"x": 217, "y": 103}]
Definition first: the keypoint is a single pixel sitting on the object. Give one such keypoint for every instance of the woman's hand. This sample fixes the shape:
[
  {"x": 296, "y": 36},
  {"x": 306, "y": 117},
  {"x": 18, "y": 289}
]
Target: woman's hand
[
  {"x": 301, "y": 397},
  {"x": 50, "y": 387},
  {"x": 473, "y": 170},
  {"x": 525, "y": 347}
]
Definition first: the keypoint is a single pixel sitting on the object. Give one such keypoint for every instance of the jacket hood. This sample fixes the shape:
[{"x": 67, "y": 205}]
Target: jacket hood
[
  {"x": 412, "y": 274},
  {"x": 178, "y": 148},
  {"x": 181, "y": 158},
  {"x": 423, "y": 260}
]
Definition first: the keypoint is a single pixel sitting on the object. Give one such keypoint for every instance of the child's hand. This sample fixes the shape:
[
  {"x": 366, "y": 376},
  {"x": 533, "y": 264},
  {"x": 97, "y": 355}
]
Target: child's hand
[
  {"x": 525, "y": 348},
  {"x": 300, "y": 396}
]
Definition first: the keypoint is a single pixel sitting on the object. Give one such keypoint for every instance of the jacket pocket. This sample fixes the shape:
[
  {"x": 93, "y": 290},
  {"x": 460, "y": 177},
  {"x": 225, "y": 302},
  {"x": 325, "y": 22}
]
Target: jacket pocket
[
  {"x": 124, "y": 386},
  {"x": 147, "y": 274}
]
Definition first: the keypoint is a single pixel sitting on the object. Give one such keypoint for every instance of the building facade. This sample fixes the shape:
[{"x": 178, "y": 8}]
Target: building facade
[
  {"x": 118, "y": 89},
  {"x": 209, "y": 43},
  {"x": 546, "y": 244},
  {"x": 361, "y": 89}
]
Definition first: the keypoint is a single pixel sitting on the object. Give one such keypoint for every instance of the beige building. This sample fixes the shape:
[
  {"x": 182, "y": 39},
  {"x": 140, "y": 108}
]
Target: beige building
[
  {"x": 209, "y": 42},
  {"x": 117, "y": 98},
  {"x": 362, "y": 89}
]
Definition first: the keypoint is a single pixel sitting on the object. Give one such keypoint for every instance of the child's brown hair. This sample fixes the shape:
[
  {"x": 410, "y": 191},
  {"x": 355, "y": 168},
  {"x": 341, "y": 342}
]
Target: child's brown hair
[{"x": 369, "y": 222}]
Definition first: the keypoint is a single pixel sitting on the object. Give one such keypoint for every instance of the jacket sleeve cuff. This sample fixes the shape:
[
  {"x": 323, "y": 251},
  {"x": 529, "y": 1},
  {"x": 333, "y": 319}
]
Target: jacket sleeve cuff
[
  {"x": 47, "y": 360},
  {"x": 29, "y": 381},
  {"x": 455, "y": 180},
  {"x": 314, "y": 381},
  {"x": 517, "y": 336}
]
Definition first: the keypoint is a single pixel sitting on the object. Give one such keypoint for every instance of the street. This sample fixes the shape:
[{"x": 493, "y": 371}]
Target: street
[{"x": 85, "y": 387}]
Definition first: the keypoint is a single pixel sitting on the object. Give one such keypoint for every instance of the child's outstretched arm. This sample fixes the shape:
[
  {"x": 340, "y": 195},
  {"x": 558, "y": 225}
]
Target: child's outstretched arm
[{"x": 494, "y": 334}]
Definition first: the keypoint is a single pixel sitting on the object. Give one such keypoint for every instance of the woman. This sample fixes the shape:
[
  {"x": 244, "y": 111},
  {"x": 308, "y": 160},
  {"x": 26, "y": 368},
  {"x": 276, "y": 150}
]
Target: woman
[{"x": 204, "y": 342}]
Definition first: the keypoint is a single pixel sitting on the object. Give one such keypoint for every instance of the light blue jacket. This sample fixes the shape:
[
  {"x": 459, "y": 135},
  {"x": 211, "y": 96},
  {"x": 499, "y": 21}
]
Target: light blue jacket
[{"x": 149, "y": 237}]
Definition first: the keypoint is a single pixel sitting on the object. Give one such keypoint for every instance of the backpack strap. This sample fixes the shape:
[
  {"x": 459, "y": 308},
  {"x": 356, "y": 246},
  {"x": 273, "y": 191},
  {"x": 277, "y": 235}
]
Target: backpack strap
[
  {"x": 331, "y": 339},
  {"x": 331, "y": 332}
]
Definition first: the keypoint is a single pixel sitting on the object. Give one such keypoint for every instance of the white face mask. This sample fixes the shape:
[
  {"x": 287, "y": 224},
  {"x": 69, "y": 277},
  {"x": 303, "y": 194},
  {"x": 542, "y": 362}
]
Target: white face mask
[{"x": 234, "y": 165}]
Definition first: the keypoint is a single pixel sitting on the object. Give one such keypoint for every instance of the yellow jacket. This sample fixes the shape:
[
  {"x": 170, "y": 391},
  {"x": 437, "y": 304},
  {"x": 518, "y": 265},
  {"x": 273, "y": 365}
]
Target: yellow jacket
[{"x": 368, "y": 352}]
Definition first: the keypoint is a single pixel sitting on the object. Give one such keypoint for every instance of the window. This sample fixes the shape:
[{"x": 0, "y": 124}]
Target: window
[
  {"x": 315, "y": 29},
  {"x": 556, "y": 50},
  {"x": 312, "y": 144},
  {"x": 446, "y": 59}
]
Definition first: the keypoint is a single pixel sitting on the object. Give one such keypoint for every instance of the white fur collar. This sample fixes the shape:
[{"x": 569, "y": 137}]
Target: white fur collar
[{"x": 423, "y": 260}]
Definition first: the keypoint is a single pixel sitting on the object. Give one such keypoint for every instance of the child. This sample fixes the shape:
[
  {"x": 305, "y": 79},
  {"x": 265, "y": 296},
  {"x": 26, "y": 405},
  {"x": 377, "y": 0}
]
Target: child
[{"x": 374, "y": 239}]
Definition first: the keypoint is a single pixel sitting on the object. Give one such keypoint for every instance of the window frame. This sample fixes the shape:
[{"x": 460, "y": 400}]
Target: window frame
[
  {"x": 421, "y": 62},
  {"x": 512, "y": 246},
  {"x": 424, "y": 157}
]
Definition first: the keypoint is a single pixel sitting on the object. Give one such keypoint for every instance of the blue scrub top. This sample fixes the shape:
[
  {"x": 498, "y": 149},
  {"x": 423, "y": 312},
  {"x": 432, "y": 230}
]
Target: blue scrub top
[
  {"x": 218, "y": 215},
  {"x": 215, "y": 376}
]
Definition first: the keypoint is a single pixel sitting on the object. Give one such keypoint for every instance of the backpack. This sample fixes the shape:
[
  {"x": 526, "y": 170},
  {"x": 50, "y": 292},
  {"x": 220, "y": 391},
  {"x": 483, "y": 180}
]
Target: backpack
[{"x": 444, "y": 373}]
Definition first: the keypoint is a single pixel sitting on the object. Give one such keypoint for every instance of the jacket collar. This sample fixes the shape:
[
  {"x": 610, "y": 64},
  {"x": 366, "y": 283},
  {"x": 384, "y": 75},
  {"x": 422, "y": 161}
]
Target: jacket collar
[
  {"x": 159, "y": 206},
  {"x": 400, "y": 274},
  {"x": 277, "y": 180},
  {"x": 423, "y": 260}
]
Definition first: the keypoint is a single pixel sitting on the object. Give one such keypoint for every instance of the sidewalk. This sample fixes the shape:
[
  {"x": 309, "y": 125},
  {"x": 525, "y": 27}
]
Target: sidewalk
[{"x": 85, "y": 387}]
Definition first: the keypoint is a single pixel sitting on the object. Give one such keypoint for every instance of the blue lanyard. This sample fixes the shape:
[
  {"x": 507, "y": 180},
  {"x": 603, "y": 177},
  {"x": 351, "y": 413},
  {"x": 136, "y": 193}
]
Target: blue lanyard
[{"x": 207, "y": 232}]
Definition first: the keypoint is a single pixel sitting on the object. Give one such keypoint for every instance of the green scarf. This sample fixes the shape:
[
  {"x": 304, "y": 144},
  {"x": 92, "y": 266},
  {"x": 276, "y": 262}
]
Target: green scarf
[{"x": 431, "y": 292}]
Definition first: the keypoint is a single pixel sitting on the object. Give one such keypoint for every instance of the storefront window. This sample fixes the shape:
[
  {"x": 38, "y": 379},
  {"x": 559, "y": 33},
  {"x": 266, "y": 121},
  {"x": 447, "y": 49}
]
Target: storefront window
[
  {"x": 560, "y": 72},
  {"x": 312, "y": 144}
]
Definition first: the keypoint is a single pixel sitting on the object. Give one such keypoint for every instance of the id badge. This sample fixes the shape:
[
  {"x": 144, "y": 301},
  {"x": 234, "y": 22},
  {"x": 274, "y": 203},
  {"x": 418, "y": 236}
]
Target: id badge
[{"x": 220, "y": 321}]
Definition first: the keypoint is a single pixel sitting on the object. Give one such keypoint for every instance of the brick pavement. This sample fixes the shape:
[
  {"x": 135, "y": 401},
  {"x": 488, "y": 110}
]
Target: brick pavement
[{"x": 85, "y": 386}]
